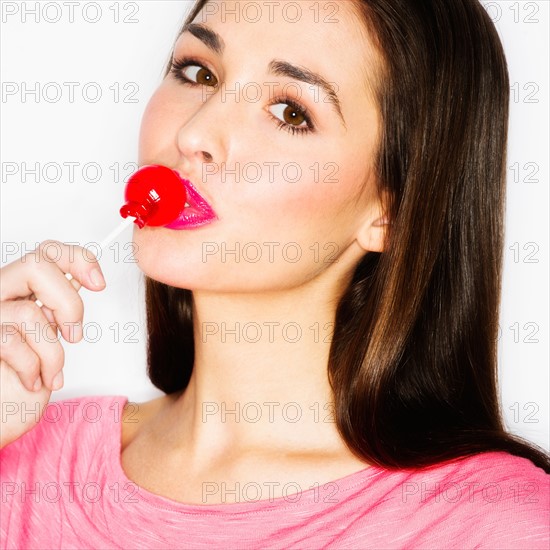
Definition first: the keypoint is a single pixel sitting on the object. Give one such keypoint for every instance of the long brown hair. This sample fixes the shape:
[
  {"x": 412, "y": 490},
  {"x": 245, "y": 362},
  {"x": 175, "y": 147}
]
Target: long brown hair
[{"x": 413, "y": 360}]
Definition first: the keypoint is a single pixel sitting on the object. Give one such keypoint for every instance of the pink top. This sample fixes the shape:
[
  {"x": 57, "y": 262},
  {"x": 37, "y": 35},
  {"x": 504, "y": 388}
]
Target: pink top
[{"x": 63, "y": 486}]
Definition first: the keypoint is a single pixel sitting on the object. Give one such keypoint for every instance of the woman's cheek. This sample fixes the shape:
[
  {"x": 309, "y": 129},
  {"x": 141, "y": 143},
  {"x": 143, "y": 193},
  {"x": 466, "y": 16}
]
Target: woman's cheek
[
  {"x": 148, "y": 131},
  {"x": 268, "y": 239},
  {"x": 252, "y": 255},
  {"x": 159, "y": 125}
]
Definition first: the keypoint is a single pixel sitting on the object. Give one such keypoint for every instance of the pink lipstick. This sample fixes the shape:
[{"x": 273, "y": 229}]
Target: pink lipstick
[
  {"x": 158, "y": 196},
  {"x": 197, "y": 211}
]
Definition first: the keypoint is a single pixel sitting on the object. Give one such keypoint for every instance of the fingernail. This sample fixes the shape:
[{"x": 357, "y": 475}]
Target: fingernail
[
  {"x": 37, "y": 384},
  {"x": 57, "y": 381},
  {"x": 96, "y": 277}
]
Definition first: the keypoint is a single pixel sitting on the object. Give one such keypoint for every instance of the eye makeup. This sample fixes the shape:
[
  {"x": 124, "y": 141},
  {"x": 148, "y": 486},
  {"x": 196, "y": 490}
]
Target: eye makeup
[{"x": 294, "y": 109}]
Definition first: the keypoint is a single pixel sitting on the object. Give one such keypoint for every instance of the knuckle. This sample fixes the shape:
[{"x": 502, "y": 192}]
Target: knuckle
[
  {"x": 46, "y": 243},
  {"x": 25, "y": 310},
  {"x": 34, "y": 266},
  {"x": 31, "y": 366},
  {"x": 50, "y": 250},
  {"x": 85, "y": 255}
]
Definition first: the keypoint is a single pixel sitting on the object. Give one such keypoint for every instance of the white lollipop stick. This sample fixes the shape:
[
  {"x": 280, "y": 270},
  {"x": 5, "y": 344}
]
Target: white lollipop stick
[
  {"x": 103, "y": 244},
  {"x": 116, "y": 232}
]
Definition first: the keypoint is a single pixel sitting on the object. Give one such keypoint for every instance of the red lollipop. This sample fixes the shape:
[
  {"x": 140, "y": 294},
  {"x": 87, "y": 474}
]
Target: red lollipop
[{"x": 154, "y": 195}]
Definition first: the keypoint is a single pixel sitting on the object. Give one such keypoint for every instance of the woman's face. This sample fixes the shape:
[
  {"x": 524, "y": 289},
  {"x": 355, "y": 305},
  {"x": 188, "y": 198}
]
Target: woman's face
[{"x": 267, "y": 112}]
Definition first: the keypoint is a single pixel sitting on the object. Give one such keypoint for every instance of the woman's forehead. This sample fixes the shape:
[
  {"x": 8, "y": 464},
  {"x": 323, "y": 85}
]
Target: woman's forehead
[
  {"x": 309, "y": 28},
  {"x": 333, "y": 43}
]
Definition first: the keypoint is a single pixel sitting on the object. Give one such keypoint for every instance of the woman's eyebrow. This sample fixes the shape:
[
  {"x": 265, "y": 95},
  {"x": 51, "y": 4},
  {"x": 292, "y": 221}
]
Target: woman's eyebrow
[
  {"x": 215, "y": 42},
  {"x": 210, "y": 38},
  {"x": 283, "y": 68}
]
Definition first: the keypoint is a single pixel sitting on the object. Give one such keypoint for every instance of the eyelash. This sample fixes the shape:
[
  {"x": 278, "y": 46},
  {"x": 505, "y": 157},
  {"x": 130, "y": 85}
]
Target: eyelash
[
  {"x": 179, "y": 64},
  {"x": 289, "y": 127}
]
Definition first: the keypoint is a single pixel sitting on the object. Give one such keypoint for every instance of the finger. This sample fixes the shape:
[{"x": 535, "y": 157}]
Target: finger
[
  {"x": 48, "y": 313},
  {"x": 46, "y": 310},
  {"x": 51, "y": 288},
  {"x": 79, "y": 262},
  {"x": 20, "y": 357},
  {"x": 37, "y": 333},
  {"x": 75, "y": 284},
  {"x": 59, "y": 295}
]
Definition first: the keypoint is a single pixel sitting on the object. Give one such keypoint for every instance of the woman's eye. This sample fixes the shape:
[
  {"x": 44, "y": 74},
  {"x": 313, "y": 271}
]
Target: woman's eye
[
  {"x": 290, "y": 114},
  {"x": 192, "y": 73},
  {"x": 200, "y": 75}
]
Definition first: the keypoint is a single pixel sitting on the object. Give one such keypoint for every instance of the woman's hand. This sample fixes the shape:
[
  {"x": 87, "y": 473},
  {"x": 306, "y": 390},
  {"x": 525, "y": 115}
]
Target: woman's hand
[{"x": 31, "y": 356}]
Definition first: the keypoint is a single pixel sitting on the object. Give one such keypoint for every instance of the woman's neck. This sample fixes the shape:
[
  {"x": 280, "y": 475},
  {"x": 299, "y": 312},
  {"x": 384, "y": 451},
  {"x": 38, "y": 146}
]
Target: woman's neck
[{"x": 259, "y": 380}]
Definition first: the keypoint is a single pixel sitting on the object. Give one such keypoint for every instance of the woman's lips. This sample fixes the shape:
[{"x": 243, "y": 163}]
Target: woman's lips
[{"x": 197, "y": 213}]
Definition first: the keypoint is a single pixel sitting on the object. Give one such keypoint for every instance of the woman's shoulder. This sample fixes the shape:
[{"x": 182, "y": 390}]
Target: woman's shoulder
[
  {"x": 495, "y": 461},
  {"x": 67, "y": 427},
  {"x": 83, "y": 416},
  {"x": 503, "y": 500},
  {"x": 502, "y": 468},
  {"x": 79, "y": 422},
  {"x": 495, "y": 476}
]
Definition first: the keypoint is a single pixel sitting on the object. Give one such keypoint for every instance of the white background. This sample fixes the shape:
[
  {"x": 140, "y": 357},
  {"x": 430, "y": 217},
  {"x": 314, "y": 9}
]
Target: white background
[{"x": 130, "y": 57}]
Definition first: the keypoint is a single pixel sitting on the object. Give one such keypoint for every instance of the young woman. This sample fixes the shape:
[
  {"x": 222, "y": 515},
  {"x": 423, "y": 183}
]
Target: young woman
[{"x": 325, "y": 330}]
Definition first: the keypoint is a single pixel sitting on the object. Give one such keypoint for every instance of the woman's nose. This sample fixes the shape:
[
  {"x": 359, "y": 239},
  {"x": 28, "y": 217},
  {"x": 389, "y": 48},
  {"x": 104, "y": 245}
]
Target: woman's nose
[{"x": 203, "y": 137}]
